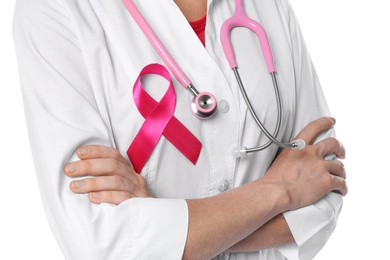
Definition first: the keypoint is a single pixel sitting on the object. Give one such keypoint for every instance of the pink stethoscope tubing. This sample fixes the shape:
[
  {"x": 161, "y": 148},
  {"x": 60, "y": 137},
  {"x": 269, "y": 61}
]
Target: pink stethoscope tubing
[
  {"x": 204, "y": 104},
  {"x": 240, "y": 19}
]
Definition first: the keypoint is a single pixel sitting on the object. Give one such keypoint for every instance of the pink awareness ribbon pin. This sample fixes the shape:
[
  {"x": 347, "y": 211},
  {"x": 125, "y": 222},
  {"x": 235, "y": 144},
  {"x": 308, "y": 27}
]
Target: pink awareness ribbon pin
[{"x": 159, "y": 120}]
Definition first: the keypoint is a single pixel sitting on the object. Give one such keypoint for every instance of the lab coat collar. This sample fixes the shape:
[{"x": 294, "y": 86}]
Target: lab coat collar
[{"x": 121, "y": 29}]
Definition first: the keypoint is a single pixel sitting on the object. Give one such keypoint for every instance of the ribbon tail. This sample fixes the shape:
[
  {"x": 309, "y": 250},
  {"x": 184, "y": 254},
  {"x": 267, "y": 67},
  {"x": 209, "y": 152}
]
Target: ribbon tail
[
  {"x": 142, "y": 147},
  {"x": 183, "y": 140}
]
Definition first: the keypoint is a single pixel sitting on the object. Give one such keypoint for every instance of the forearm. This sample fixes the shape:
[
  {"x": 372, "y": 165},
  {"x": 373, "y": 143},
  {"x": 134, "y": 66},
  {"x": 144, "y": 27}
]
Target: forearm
[
  {"x": 217, "y": 223},
  {"x": 272, "y": 234}
]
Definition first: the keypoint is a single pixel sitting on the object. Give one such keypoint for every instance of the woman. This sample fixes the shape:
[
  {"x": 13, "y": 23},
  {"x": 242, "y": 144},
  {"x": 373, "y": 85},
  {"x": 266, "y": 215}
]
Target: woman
[{"x": 78, "y": 62}]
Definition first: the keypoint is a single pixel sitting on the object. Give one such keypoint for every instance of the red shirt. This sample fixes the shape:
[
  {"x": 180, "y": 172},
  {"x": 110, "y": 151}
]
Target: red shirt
[{"x": 199, "y": 27}]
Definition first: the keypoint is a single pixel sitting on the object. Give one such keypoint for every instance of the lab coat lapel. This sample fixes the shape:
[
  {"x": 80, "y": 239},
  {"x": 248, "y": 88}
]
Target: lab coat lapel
[{"x": 133, "y": 48}]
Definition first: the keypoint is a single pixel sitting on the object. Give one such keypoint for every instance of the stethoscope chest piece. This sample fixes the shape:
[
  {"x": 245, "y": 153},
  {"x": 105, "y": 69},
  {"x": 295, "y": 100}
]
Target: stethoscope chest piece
[{"x": 204, "y": 105}]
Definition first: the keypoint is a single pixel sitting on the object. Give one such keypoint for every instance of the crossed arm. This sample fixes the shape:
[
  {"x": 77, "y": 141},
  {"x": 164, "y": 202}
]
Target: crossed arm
[{"x": 294, "y": 180}]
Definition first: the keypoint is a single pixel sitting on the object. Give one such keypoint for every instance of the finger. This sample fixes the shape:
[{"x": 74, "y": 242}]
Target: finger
[
  {"x": 97, "y": 167},
  {"x": 99, "y": 151},
  {"x": 336, "y": 167},
  {"x": 331, "y": 146},
  {"x": 114, "y": 197},
  {"x": 339, "y": 185},
  {"x": 104, "y": 183},
  {"x": 311, "y": 131}
]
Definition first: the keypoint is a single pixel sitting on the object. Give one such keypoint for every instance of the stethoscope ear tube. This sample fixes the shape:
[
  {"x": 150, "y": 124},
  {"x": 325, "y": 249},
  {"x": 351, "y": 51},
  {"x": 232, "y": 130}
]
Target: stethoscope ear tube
[
  {"x": 240, "y": 151},
  {"x": 240, "y": 19}
]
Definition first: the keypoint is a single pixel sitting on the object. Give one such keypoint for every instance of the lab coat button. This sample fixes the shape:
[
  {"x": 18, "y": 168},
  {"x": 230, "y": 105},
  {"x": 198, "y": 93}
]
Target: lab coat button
[
  {"x": 223, "y": 185},
  {"x": 223, "y": 106}
]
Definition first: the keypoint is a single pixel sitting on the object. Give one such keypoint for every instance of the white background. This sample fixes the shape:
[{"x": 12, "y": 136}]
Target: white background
[{"x": 349, "y": 42}]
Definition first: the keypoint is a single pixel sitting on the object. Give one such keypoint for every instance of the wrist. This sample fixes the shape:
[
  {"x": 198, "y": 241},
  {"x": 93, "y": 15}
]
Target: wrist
[{"x": 277, "y": 196}]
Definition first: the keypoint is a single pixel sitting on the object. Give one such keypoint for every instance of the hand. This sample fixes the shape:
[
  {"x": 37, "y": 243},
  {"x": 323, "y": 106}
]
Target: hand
[
  {"x": 305, "y": 174},
  {"x": 114, "y": 180}
]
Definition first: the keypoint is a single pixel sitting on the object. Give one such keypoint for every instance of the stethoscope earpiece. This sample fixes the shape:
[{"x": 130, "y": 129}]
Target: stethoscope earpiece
[
  {"x": 298, "y": 144},
  {"x": 238, "y": 152}
]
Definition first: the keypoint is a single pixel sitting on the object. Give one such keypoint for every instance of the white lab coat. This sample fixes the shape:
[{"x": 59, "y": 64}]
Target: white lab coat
[{"x": 78, "y": 61}]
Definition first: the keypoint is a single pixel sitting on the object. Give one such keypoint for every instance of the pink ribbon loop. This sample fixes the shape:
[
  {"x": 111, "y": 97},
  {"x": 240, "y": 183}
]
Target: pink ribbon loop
[{"x": 159, "y": 120}]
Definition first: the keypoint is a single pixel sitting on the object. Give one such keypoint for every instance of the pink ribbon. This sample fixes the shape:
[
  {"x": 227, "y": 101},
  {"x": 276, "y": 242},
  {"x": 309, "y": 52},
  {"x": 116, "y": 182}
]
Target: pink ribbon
[{"x": 159, "y": 120}]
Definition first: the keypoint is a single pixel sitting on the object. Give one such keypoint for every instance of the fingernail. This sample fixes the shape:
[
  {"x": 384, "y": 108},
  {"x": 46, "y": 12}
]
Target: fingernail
[
  {"x": 71, "y": 168},
  {"x": 333, "y": 120},
  {"x": 77, "y": 184},
  {"x": 83, "y": 151},
  {"x": 95, "y": 195}
]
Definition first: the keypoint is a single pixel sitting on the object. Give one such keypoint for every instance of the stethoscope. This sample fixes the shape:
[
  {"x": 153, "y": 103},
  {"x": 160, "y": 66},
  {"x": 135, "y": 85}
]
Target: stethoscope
[{"x": 204, "y": 104}]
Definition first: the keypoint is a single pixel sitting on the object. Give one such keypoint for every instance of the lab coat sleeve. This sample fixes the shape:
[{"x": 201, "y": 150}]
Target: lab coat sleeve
[
  {"x": 311, "y": 226},
  {"x": 62, "y": 114}
]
